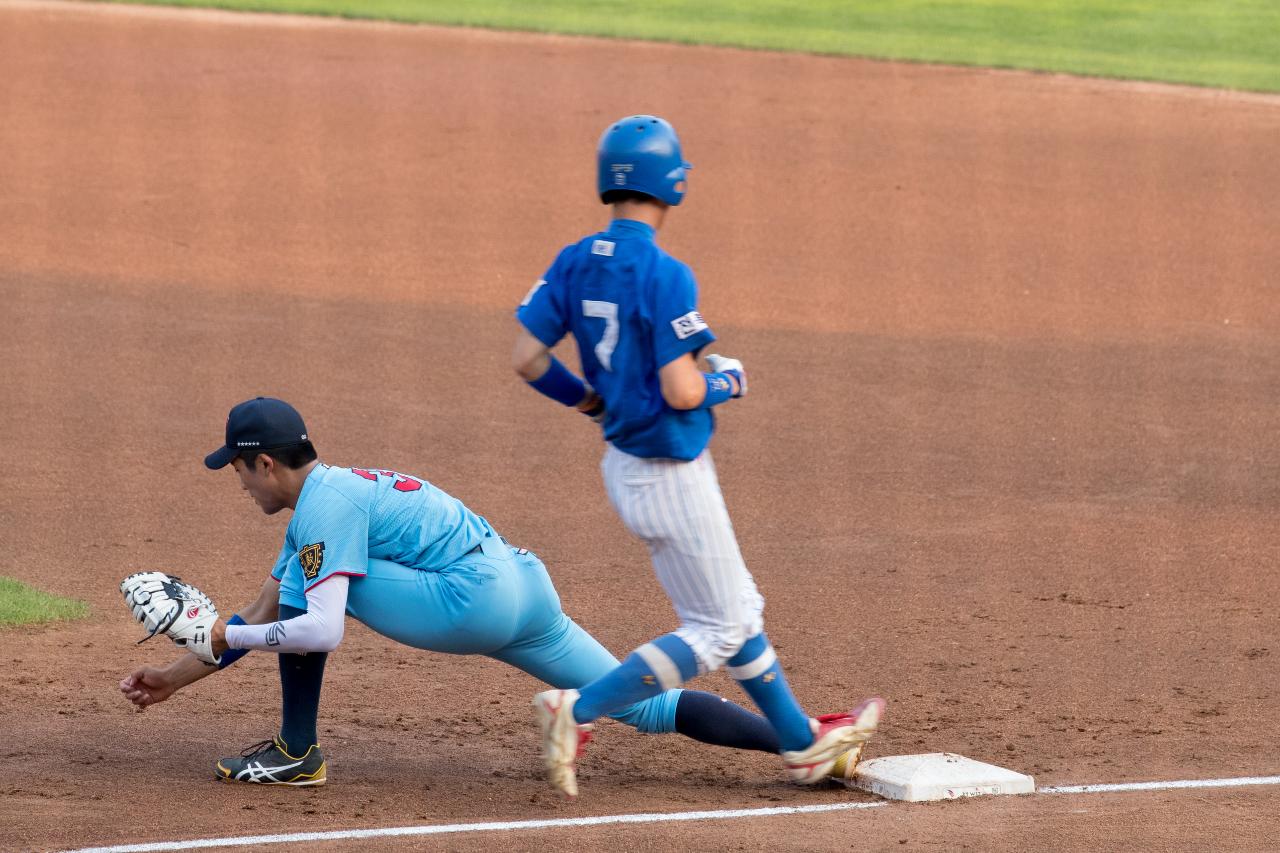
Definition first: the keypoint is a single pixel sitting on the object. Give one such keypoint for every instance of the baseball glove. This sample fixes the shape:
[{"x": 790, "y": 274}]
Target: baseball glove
[{"x": 168, "y": 605}]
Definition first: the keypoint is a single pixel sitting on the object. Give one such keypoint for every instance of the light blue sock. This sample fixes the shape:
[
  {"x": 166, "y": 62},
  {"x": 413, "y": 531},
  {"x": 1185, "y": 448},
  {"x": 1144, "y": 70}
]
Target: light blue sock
[
  {"x": 664, "y": 664},
  {"x": 757, "y": 669}
]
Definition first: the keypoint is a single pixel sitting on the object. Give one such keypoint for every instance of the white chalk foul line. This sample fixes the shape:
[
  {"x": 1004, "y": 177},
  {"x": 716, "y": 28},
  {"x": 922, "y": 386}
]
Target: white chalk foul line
[
  {"x": 514, "y": 825},
  {"x": 440, "y": 829},
  {"x": 1161, "y": 786}
]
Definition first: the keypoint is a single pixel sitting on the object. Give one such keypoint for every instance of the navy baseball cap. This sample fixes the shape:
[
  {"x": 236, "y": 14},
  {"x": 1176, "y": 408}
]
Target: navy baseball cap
[{"x": 263, "y": 423}]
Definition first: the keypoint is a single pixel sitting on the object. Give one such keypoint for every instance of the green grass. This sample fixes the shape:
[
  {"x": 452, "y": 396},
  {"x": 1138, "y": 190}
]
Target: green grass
[
  {"x": 1228, "y": 43},
  {"x": 23, "y": 605}
]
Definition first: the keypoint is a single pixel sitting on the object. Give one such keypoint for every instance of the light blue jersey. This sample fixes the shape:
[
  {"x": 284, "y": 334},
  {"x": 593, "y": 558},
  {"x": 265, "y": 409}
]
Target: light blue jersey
[
  {"x": 430, "y": 573},
  {"x": 347, "y": 516},
  {"x": 632, "y": 309}
]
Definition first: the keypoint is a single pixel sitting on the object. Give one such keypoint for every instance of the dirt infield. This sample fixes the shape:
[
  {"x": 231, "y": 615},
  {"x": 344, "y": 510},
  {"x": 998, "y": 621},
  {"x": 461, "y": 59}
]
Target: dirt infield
[{"x": 1009, "y": 457}]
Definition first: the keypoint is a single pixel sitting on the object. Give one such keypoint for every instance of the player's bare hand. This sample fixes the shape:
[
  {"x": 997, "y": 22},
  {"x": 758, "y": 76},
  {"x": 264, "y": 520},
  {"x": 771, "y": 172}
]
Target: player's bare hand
[
  {"x": 147, "y": 686},
  {"x": 733, "y": 368}
]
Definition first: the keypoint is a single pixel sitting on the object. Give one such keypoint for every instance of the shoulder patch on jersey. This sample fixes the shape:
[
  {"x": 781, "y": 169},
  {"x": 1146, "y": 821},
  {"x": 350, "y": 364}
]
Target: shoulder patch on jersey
[
  {"x": 689, "y": 325},
  {"x": 528, "y": 297},
  {"x": 602, "y": 247},
  {"x": 311, "y": 558}
]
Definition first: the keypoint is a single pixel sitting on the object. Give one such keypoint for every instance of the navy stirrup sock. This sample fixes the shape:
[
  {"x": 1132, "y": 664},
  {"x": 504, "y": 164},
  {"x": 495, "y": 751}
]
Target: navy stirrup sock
[
  {"x": 708, "y": 718},
  {"x": 301, "y": 677}
]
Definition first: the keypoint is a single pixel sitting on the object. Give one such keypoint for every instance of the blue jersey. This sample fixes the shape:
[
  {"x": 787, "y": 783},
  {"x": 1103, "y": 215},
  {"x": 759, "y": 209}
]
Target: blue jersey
[
  {"x": 632, "y": 309},
  {"x": 347, "y": 516}
]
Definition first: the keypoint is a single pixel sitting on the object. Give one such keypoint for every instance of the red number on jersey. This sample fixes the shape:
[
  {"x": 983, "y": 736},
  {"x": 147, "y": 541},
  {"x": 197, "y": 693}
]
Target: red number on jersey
[{"x": 404, "y": 483}]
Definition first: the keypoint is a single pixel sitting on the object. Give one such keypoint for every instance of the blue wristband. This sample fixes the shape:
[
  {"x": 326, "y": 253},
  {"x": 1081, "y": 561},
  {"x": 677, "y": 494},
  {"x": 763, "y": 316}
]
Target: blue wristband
[
  {"x": 230, "y": 656},
  {"x": 719, "y": 389},
  {"x": 560, "y": 385}
]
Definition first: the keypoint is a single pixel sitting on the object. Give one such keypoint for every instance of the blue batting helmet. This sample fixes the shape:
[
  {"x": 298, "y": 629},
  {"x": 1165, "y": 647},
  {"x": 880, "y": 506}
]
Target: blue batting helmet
[{"x": 642, "y": 154}]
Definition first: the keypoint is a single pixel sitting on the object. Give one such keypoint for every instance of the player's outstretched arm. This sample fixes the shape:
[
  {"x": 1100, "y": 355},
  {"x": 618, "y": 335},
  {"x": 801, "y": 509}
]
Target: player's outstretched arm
[
  {"x": 318, "y": 629},
  {"x": 149, "y": 685}
]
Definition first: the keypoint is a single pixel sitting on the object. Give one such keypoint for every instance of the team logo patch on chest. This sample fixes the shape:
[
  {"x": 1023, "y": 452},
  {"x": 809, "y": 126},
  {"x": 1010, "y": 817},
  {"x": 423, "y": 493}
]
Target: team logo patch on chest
[{"x": 311, "y": 558}]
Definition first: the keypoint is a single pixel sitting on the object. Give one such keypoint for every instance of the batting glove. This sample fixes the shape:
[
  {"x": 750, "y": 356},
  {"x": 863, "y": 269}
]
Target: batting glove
[
  {"x": 592, "y": 405},
  {"x": 731, "y": 366}
]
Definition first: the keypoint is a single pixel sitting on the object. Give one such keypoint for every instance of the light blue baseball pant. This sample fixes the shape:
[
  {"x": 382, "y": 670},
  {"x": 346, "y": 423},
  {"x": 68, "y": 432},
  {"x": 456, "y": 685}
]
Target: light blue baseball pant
[{"x": 499, "y": 603}]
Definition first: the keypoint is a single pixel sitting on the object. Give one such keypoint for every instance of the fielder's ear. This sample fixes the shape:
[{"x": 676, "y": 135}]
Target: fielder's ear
[{"x": 254, "y": 465}]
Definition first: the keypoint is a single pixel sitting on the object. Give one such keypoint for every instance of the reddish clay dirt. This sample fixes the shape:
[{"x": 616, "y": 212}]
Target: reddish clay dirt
[{"x": 1008, "y": 459}]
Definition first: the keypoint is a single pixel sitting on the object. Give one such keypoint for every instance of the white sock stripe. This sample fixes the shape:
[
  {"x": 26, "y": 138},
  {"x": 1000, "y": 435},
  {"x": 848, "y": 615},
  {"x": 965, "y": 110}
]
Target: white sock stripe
[
  {"x": 662, "y": 665},
  {"x": 755, "y": 668}
]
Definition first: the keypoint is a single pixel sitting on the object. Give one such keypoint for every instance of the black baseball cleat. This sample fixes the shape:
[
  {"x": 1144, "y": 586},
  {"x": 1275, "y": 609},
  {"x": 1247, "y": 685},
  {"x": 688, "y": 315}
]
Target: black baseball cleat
[{"x": 269, "y": 763}]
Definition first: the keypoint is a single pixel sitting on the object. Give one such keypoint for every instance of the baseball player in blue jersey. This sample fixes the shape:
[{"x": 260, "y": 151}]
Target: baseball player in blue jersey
[
  {"x": 633, "y": 311},
  {"x": 413, "y": 564}
]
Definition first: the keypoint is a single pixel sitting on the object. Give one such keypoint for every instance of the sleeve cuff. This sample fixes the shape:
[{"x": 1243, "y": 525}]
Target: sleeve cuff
[
  {"x": 235, "y": 636},
  {"x": 319, "y": 581},
  {"x": 692, "y": 344}
]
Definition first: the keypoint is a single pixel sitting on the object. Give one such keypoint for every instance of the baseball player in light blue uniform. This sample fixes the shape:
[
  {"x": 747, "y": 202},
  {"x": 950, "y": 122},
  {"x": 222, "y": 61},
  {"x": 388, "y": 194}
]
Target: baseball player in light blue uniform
[
  {"x": 413, "y": 564},
  {"x": 633, "y": 311}
]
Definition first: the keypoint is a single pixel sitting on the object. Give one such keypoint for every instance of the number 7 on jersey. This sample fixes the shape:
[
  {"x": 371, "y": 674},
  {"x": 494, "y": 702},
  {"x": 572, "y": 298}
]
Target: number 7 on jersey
[{"x": 607, "y": 311}]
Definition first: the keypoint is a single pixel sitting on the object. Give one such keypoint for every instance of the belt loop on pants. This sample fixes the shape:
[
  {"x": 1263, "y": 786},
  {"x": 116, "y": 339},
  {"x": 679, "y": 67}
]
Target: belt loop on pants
[{"x": 495, "y": 548}]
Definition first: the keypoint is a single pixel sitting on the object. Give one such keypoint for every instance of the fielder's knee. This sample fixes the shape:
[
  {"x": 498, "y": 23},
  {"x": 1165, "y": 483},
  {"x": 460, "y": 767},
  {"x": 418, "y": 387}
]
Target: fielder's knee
[{"x": 714, "y": 646}]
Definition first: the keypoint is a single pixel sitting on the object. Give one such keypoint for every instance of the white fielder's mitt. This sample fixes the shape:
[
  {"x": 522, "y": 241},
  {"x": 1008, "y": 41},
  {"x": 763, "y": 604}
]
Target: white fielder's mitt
[{"x": 168, "y": 605}]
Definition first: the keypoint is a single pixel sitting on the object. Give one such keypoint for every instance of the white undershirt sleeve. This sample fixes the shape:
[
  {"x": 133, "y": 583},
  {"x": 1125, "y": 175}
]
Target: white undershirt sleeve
[{"x": 317, "y": 630}]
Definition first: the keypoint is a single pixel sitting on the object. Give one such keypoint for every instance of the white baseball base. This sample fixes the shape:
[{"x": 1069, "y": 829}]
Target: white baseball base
[{"x": 937, "y": 776}]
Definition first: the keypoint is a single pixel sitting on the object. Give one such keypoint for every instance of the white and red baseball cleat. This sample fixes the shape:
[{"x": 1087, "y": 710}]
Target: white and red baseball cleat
[
  {"x": 563, "y": 739},
  {"x": 833, "y": 736}
]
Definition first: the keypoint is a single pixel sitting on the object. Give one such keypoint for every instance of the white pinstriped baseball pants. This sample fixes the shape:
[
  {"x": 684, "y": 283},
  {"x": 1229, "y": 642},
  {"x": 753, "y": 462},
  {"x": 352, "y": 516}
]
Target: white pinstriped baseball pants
[{"x": 677, "y": 510}]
